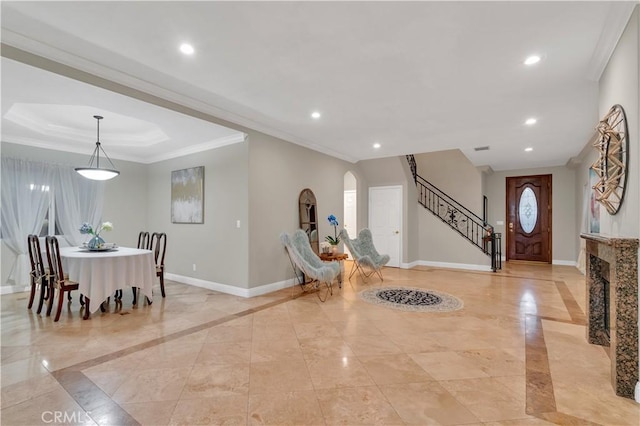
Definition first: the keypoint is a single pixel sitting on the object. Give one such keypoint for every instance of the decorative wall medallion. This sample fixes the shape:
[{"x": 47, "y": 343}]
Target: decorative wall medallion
[{"x": 613, "y": 161}]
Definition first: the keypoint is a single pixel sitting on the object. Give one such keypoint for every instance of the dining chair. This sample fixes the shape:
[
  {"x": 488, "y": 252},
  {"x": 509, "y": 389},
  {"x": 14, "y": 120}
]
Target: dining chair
[
  {"x": 143, "y": 243},
  {"x": 38, "y": 275},
  {"x": 58, "y": 277},
  {"x": 159, "y": 247},
  {"x": 143, "y": 240}
]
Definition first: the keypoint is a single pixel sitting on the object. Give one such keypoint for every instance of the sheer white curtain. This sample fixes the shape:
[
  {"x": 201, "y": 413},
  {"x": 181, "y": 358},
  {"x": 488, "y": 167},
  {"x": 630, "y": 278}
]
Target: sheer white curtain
[
  {"x": 26, "y": 187},
  {"x": 78, "y": 200}
]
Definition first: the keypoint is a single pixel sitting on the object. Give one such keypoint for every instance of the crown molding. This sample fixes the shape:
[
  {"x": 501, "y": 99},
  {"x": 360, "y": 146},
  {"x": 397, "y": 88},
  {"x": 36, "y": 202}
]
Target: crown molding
[
  {"x": 485, "y": 169},
  {"x": 615, "y": 24},
  {"x": 35, "y": 53},
  {"x": 213, "y": 144},
  {"x": 194, "y": 149}
]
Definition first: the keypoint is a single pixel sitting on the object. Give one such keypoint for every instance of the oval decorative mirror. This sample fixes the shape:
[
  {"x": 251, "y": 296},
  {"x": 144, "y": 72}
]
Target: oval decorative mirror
[{"x": 309, "y": 217}]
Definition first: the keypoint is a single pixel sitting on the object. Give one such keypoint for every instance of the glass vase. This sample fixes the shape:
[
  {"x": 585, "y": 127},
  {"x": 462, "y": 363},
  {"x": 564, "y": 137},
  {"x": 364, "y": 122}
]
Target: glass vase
[{"x": 95, "y": 243}]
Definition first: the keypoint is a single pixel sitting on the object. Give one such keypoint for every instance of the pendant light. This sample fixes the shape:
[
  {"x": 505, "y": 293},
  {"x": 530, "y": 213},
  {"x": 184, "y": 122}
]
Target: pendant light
[{"x": 96, "y": 172}]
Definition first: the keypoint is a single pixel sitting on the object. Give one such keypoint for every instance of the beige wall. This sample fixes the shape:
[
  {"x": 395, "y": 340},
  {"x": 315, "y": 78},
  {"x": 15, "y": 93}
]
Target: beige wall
[
  {"x": 278, "y": 172},
  {"x": 218, "y": 248},
  {"x": 440, "y": 244},
  {"x": 452, "y": 172},
  {"x": 619, "y": 85},
  {"x": 563, "y": 202},
  {"x": 394, "y": 171}
]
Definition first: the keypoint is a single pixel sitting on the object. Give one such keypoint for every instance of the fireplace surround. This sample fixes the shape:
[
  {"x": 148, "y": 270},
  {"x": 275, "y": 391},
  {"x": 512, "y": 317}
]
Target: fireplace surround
[{"x": 614, "y": 260}]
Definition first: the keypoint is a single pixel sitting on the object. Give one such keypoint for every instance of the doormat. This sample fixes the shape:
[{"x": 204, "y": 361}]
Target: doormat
[{"x": 411, "y": 299}]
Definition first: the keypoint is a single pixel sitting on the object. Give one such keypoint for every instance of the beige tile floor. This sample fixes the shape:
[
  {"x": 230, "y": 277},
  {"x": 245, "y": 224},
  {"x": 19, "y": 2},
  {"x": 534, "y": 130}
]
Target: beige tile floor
[{"x": 516, "y": 354}]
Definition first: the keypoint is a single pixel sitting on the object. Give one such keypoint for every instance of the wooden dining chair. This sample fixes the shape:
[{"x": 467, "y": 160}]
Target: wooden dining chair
[
  {"x": 39, "y": 276},
  {"x": 59, "y": 280},
  {"x": 144, "y": 242},
  {"x": 159, "y": 247}
]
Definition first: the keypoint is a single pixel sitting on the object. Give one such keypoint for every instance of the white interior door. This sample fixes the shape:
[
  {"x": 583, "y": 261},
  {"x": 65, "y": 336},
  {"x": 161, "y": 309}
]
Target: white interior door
[
  {"x": 350, "y": 215},
  {"x": 385, "y": 221}
]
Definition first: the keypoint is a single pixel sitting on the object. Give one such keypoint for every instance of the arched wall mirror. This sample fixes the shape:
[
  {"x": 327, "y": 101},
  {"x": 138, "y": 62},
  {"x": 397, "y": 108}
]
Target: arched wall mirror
[{"x": 309, "y": 217}]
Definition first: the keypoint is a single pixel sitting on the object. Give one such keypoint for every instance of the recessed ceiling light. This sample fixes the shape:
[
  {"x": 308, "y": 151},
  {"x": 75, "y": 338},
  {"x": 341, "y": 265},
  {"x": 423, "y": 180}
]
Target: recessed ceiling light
[
  {"x": 376, "y": 145},
  {"x": 529, "y": 149},
  {"x": 533, "y": 59},
  {"x": 530, "y": 121},
  {"x": 315, "y": 114},
  {"x": 187, "y": 49}
]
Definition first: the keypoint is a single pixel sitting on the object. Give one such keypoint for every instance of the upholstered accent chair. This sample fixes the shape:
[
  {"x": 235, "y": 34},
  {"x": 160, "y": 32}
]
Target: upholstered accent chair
[
  {"x": 366, "y": 259},
  {"x": 307, "y": 261}
]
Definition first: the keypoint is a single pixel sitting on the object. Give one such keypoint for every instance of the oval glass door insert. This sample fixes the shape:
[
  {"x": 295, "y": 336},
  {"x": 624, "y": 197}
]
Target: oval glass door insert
[{"x": 528, "y": 210}]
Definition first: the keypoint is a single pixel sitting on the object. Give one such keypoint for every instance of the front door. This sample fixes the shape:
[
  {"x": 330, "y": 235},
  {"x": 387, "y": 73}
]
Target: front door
[
  {"x": 385, "y": 221},
  {"x": 529, "y": 218}
]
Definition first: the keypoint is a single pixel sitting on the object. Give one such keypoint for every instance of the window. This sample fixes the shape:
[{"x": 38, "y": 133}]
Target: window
[
  {"x": 528, "y": 210},
  {"x": 49, "y": 225}
]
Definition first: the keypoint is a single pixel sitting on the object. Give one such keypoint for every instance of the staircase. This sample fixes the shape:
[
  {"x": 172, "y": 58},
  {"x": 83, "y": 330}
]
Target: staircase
[{"x": 462, "y": 220}]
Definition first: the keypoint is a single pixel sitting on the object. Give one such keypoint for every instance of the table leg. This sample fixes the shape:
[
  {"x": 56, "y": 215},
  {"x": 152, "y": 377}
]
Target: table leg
[
  {"x": 87, "y": 311},
  {"x": 340, "y": 274}
]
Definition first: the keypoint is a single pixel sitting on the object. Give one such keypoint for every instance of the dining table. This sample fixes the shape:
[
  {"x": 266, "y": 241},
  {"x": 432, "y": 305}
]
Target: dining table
[{"x": 100, "y": 273}]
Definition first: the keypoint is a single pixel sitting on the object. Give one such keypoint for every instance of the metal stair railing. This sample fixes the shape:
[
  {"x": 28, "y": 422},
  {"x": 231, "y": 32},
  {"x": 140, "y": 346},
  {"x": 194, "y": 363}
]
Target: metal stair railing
[{"x": 459, "y": 218}]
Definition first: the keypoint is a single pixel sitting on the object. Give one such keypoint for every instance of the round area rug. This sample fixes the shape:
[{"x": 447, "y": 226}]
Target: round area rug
[{"x": 412, "y": 299}]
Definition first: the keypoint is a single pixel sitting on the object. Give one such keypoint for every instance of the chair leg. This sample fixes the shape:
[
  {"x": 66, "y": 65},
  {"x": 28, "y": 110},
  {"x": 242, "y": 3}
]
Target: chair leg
[
  {"x": 162, "y": 283},
  {"x": 33, "y": 293},
  {"x": 52, "y": 293},
  {"x": 353, "y": 269},
  {"x": 60, "y": 300},
  {"x": 327, "y": 293},
  {"x": 43, "y": 291},
  {"x": 87, "y": 311},
  {"x": 135, "y": 295}
]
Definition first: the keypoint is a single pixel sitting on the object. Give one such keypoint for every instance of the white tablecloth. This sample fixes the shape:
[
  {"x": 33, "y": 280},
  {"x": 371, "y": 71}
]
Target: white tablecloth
[{"x": 101, "y": 273}]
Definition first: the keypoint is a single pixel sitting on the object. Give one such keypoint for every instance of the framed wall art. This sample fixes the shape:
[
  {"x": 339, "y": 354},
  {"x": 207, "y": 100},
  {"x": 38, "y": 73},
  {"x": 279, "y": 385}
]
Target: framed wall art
[{"x": 187, "y": 195}]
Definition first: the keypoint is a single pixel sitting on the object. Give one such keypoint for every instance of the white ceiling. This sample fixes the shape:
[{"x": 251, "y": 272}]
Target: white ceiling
[{"x": 412, "y": 76}]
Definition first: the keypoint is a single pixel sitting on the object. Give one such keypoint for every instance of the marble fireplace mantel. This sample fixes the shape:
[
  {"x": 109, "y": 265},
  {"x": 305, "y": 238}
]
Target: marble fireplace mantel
[{"x": 614, "y": 260}]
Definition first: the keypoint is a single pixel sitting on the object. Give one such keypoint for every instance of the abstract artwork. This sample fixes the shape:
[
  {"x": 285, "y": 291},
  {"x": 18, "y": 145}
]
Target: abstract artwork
[{"x": 187, "y": 195}]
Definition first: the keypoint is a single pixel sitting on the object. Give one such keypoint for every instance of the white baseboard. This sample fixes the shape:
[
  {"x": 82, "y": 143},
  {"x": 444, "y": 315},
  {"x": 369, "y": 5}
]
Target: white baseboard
[
  {"x": 449, "y": 265},
  {"x": 410, "y": 264},
  {"x": 564, "y": 262},
  {"x": 230, "y": 289},
  {"x": 8, "y": 289}
]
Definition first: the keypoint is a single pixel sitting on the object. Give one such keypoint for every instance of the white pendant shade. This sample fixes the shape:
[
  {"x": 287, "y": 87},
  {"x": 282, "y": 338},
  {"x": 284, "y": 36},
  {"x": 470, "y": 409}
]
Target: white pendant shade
[{"x": 96, "y": 172}]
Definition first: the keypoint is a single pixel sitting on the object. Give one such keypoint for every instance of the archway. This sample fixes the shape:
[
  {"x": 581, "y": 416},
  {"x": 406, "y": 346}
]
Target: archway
[{"x": 350, "y": 217}]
